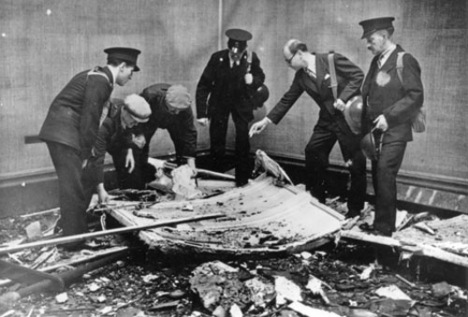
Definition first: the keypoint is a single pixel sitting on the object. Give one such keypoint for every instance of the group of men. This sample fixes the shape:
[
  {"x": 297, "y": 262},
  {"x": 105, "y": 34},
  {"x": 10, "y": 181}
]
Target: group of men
[
  {"x": 82, "y": 124},
  {"x": 389, "y": 105}
]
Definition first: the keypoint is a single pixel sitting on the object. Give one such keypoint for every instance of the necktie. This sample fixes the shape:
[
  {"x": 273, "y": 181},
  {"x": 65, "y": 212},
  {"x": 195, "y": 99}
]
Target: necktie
[
  {"x": 232, "y": 63},
  {"x": 310, "y": 72},
  {"x": 379, "y": 62}
]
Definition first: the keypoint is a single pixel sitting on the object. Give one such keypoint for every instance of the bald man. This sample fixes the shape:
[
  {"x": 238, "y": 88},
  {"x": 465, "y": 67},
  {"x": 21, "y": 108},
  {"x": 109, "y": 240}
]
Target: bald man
[{"x": 313, "y": 77}]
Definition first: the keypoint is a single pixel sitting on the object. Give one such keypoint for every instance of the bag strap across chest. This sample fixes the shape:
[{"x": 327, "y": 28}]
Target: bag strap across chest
[
  {"x": 334, "y": 82},
  {"x": 399, "y": 65}
]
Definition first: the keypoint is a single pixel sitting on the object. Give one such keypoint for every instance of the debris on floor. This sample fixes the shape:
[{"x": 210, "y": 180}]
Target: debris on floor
[
  {"x": 336, "y": 277},
  {"x": 172, "y": 287}
]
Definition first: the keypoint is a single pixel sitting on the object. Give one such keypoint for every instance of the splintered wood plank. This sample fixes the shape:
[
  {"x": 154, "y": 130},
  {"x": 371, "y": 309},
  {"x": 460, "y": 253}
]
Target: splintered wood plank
[{"x": 260, "y": 217}]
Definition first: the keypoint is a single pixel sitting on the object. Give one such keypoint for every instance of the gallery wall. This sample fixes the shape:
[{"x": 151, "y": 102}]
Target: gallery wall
[{"x": 45, "y": 42}]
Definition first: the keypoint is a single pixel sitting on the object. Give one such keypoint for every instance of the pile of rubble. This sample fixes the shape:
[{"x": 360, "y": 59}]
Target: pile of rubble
[
  {"x": 116, "y": 275},
  {"x": 334, "y": 281}
]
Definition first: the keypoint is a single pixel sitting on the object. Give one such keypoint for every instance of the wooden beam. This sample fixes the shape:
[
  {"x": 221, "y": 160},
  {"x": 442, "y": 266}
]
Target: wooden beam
[
  {"x": 84, "y": 236},
  {"x": 215, "y": 174},
  {"x": 418, "y": 249},
  {"x": 74, "y": 261}
]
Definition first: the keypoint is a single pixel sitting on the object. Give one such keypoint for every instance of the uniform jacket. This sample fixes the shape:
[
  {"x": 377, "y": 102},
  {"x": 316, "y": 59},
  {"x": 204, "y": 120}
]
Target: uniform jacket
[
  {"x": 180, "y": 126},
  {"x": 222, "y": 88},
  {"x": 383, "y": 93},
  {"x": 73, "y": 117},
  {"x": 349, "y": 78}
]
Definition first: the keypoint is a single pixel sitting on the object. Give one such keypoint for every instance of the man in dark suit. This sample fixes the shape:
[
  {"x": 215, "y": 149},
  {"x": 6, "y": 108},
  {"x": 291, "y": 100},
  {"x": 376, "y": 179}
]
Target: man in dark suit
[
  {"x": 170, "y": 109},
  {"x": 226, "y": 87},
  {"x": 389, "y": 106},
  {"x": 313, "y": 77},
  {"x": 71, "y": 127}
]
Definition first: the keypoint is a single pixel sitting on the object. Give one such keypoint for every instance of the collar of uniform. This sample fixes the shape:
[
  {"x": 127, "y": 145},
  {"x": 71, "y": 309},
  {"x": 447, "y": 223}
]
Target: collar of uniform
[
  {"x": 114, "y": 71},
  {"x": 231, "y": 61}
]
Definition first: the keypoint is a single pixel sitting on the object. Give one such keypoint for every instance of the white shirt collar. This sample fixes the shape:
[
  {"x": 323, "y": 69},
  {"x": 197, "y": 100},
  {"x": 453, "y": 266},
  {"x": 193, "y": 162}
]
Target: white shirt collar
[
  {"x": 310, "y": 59},
  {"x": 386, "y": 54},
  {"x": 231, "y": 61}
]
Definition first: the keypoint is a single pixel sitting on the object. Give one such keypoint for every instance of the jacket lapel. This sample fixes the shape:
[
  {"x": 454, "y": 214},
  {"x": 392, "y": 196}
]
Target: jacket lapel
[
  {"x": 390, "y": 63},
  {"x": 226, "y": 62},
  {"x": 321, "y": 69},
  {"x": 310, "y": 83},
  {"x": 109, "y": 75},
  {"x": 321, "y": 65},
  {"x": 370, "y": 74}
]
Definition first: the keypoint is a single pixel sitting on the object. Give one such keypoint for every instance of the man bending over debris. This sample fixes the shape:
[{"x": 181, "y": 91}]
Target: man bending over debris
[
  {"x": 170, "y": 109},
  {"x": 71, "y": 127},
  {"x": 313, "y": 75},
  {"x": 114, "y": 137}
]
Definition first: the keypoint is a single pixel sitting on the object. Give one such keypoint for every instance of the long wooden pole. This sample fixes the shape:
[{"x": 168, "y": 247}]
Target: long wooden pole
[
  {"x": 200, "y": 171},
  {"x": 215, "y": 174},
  {"x": 419, "y": 249},
  {"x": 84, "y": 236}
]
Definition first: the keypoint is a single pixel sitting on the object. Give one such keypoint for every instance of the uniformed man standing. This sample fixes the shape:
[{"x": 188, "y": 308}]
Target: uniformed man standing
[
  {"x": 225, "y": 88},
  {"x": 71, "y": 127},
  {"x": 390, "y": 103}
]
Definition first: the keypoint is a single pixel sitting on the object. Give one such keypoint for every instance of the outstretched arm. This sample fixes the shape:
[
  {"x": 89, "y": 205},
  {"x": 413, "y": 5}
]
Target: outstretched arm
[{"x": 259, "y": 126}]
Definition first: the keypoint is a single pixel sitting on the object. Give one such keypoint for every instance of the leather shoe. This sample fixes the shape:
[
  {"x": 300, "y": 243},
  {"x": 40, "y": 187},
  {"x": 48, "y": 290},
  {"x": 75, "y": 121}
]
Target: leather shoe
[
  {"x": 370, "y": 229},
  {"x": 366, "y": 227},
  {"x": 352, "y": 214}
]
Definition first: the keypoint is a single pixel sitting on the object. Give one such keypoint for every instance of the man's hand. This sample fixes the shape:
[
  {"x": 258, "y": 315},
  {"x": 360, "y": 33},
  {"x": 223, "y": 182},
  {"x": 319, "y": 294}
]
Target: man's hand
[
  {"x": 203, "y": 121},
  {"x": 139, "y": 140},
  {"x": 248, "y": 78},
  {"x": 381, "y": 123},
  {"x": 259, "y": 126},
  {"x": 130, "y": 161},
  {"x": 339, "y": 104},
  {"x": 191, "y": 164},
  {"x": 102, "y": 194}
]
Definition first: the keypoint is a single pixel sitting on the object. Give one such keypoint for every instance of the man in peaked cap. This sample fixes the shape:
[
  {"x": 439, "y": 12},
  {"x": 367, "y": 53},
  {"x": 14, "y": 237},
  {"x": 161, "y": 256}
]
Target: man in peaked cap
[
  {"x": 388, "y": 107},
  {"x": 313, "y": 76},
  {"x": 71, "y": 127},
  {"x": 170, "y": 109},
  {"x": 226, "y": 86},
  {"x": 115, "y": 55}
]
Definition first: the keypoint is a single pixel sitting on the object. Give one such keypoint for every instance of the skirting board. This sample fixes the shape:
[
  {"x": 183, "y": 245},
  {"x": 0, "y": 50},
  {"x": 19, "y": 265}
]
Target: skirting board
[{"x": 38, "y": 191}]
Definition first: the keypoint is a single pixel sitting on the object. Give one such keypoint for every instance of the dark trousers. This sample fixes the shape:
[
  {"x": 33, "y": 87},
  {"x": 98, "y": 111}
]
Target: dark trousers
[
  {"x": 384, "y": 172},
  {"x": 142, "y": 173},
  {"x": 317, "y": 153},
  {"x": 218, "y": 131},
  {"x": 72, "y": 196}
]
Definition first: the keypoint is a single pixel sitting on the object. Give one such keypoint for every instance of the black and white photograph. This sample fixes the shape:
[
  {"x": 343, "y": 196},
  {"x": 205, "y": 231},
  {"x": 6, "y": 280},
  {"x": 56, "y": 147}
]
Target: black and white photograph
[{"x": 234, "y": 158}]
